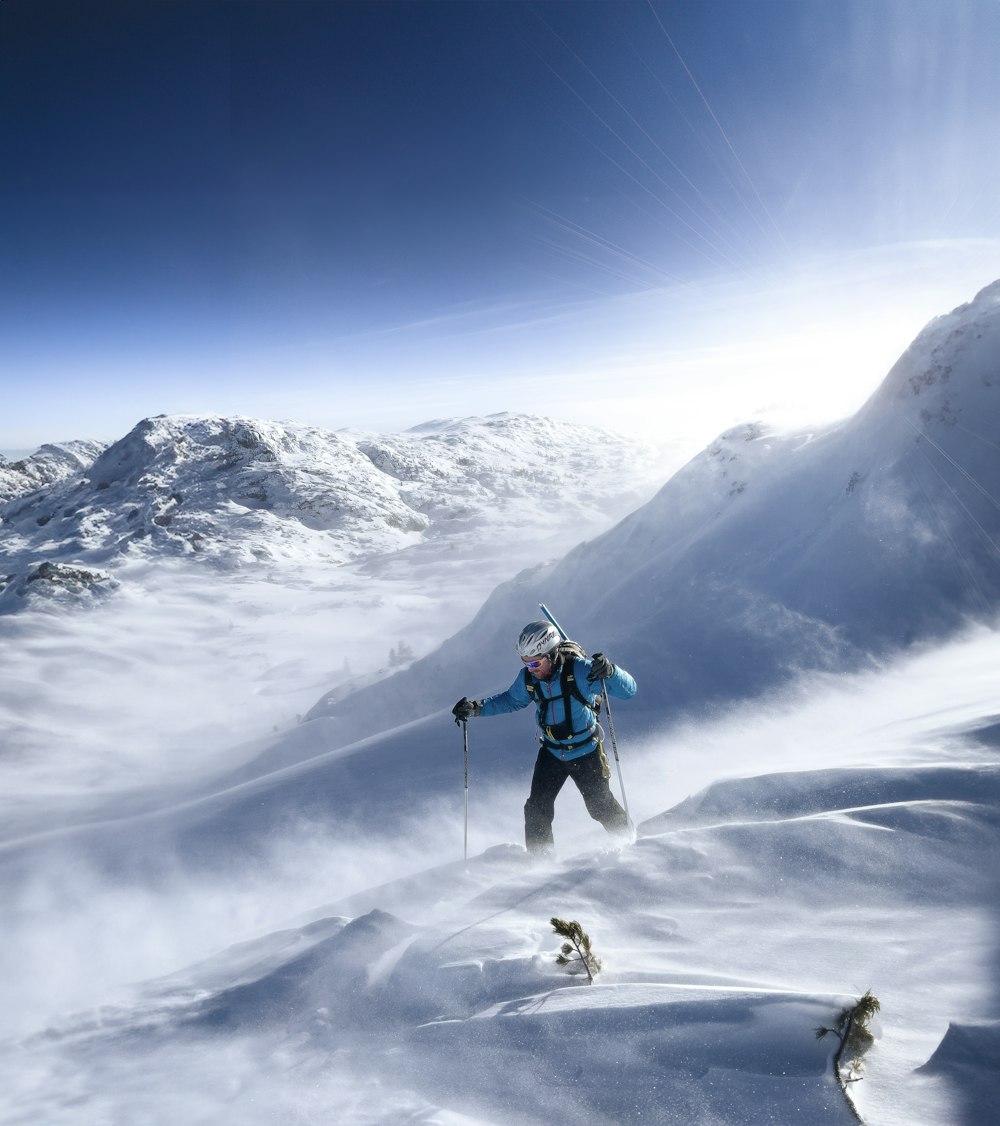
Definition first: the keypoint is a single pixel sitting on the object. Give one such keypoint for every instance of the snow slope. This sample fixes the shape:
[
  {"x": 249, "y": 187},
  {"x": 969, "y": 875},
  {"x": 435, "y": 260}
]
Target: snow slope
[
  {"x": 385, "y": 983},
  {"x": 290, "y": 933},
  {"x": 768, "y": 554}
]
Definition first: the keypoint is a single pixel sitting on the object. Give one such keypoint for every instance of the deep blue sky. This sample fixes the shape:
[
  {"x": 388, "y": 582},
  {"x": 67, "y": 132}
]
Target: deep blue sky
[{"x": 373, "y": 213}]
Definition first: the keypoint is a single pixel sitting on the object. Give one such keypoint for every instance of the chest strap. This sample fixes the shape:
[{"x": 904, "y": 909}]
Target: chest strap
[{"x": 561, "y": 736}]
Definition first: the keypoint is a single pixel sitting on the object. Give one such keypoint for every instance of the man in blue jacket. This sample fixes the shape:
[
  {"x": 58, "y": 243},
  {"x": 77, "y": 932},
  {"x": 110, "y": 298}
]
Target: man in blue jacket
[{"x": 565, "y": 688}]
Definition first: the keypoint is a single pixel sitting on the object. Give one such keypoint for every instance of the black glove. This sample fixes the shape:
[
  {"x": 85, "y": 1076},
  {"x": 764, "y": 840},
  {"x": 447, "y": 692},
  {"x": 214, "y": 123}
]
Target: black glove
[
  {"x": 466, "y": 709},
  {"x": 600, "y": 668}
]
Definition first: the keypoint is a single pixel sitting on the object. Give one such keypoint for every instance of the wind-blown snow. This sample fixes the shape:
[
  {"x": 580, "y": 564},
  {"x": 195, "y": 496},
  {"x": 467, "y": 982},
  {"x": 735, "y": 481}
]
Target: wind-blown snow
[
  {"x": 203, "y": 928},
  {"x": 276, "y": 559},
  {"x": 771, "y": 553},
  {"x": 740, "y": 921}
]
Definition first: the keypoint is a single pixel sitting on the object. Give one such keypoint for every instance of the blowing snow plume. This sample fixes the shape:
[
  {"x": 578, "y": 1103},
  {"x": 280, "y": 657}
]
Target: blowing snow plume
[{"x": 772, "y": 554}]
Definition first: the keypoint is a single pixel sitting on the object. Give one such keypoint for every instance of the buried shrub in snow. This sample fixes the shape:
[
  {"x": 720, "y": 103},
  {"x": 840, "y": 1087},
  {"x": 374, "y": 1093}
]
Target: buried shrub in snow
[
  {"x": 576, "y": 948},
  {"x": 851, "y": 1029}
]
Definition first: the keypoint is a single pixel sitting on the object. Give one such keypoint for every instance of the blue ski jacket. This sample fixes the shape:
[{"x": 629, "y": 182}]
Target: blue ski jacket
[{"x": 567, "y": 726}]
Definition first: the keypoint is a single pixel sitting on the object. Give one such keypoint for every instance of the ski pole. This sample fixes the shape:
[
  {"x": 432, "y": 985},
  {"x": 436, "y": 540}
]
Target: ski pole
[
  {"x": 607, "y": 704},
  {"x": 465, "y": 743},
  {"x": 614, "y": 748}
]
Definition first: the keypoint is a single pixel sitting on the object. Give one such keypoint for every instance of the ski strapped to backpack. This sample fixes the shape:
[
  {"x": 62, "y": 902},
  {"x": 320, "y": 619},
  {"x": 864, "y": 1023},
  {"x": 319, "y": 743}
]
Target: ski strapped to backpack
[{"x": 568, "y": 739}]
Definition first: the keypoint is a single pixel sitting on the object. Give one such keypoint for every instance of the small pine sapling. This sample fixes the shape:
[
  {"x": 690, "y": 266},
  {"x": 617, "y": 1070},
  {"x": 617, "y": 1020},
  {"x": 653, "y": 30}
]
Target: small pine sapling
[
  {"x": 851, "y": 1029},
  {"x": 576, "y": 947}
]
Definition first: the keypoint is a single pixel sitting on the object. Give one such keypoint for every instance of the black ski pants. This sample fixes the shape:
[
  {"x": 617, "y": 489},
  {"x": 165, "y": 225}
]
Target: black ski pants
[{"x": 590, "y": 773}]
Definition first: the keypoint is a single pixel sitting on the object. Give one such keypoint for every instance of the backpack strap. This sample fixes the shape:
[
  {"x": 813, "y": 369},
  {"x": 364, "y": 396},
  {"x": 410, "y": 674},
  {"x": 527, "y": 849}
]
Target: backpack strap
[
  {"x": 568, "y": 687},
  {"x": 568, "y": 678}
]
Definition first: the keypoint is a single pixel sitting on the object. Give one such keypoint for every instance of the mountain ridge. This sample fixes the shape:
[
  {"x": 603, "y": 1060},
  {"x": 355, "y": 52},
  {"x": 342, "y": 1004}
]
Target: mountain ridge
[
  {"x": 249, "y": 492},
  {"x": 50, "y": 463}
]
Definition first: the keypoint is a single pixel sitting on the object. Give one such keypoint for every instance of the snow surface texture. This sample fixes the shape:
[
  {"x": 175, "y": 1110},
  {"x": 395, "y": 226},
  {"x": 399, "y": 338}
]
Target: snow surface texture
[{"x": 310, "y": 946}]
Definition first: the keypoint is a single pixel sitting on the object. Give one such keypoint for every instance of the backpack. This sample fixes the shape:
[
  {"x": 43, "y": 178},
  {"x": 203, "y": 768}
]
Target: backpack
[{"x": 565, "y": 655}]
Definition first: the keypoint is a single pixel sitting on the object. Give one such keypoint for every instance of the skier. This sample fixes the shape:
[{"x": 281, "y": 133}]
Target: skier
[{"x": 564, "y": 685}]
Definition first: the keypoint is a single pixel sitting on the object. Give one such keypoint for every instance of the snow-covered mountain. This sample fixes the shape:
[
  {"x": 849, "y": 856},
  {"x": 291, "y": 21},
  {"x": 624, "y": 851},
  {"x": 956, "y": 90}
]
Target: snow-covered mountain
[
  {"x": 49, "y": 464},
  {"x": 770, "y": 554},
  {"x": 307, "y": 944},
  {"x": 250, "y": 493}
]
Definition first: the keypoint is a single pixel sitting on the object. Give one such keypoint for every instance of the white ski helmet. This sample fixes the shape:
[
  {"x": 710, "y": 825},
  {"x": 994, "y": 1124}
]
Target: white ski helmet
[{"x": 537, "y": 639}]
